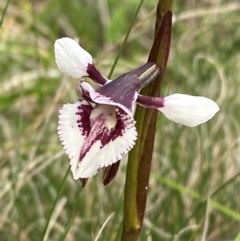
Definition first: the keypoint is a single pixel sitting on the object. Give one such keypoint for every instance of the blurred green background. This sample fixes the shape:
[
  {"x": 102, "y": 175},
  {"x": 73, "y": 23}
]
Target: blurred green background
[{"x": 194, "y": 191}]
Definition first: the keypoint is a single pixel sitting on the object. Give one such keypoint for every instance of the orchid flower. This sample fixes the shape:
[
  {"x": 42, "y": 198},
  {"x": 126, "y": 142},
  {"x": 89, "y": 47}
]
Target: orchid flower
[{"x": 99, "y": 129}]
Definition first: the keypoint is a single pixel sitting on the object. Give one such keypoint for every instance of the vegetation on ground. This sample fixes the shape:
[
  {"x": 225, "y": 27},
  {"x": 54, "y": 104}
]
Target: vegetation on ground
[{"x": 195, "y": 177}]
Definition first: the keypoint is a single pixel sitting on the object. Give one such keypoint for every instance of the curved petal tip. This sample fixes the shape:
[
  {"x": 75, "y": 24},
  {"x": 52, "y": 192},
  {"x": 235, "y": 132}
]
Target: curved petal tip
[
  {"x": 71, "y": 58},
  {"x": 189, "y": 110}
]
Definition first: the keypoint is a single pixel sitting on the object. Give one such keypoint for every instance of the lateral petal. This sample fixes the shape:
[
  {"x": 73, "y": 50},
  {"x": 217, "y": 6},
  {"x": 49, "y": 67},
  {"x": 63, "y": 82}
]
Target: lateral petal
[
  {"x": 188, "y": 110},
  {"x": 73, "y": 129},
  {"x": 71, "y": 58},
  {"x": 184, "y": 109},
  {"x": 111, "y": 137}
]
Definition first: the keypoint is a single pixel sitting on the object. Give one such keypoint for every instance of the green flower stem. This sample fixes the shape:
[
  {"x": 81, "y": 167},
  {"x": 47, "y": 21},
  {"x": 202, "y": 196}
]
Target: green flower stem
[{"x": 139, "y": 161}]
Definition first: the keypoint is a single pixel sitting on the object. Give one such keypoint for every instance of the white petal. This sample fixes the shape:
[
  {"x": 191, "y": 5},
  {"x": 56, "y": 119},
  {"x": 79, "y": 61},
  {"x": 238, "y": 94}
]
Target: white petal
[
  {"x": 71, "y": 58},
  {"x": 73, "y": 128},
  {"x": 107, "y": 143},
  {"x": 188, "y": 110}
]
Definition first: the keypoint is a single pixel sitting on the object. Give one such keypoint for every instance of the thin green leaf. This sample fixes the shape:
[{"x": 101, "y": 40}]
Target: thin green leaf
[
  {"x": 125, "y": 40},
  {"x": 54, "y": 205},
  {"x": 182, "y": 189},
  {"x": 4, "y": 13}
]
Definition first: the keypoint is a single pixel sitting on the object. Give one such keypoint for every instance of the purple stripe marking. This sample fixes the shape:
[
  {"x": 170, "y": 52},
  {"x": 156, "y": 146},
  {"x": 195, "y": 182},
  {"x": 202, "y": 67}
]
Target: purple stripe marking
[
  {"x": 100, "y": 132},
  {"x": 84, "y": 111}
]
